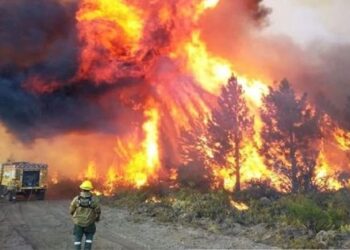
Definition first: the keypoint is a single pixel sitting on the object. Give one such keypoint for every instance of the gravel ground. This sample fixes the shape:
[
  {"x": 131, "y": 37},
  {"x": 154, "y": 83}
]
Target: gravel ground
[{"x": 47, "y": 225}]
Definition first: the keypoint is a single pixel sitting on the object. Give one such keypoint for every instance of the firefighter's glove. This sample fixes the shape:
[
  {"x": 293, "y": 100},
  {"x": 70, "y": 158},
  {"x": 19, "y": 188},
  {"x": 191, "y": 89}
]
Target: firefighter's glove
[{"x": 97, "y": 219}]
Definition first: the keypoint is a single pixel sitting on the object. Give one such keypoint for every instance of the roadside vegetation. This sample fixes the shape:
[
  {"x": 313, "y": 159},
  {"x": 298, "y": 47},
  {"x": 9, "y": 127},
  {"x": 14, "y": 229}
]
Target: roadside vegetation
[{"x": 313, "y": 220}]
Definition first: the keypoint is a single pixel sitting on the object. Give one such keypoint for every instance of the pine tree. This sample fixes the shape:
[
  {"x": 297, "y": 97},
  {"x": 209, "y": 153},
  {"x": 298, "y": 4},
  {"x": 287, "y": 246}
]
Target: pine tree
[
  {"x": 346, "y": 113},
  {"x": 229, "y": 126},
  {"x": 344, "y": 124},
  {"x": 291, "y": 133},
  {"x": 195, "y": 155}
]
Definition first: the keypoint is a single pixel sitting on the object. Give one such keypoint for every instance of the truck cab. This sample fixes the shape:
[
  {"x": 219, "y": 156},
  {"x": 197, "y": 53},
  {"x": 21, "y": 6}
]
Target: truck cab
[{"x": 30, "y": 179}]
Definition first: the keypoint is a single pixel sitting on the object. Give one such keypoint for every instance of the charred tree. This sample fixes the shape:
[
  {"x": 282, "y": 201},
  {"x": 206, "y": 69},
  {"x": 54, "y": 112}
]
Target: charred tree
[
  {"x": 291, "y": 137},
  {"x": 229, "y": 126}
]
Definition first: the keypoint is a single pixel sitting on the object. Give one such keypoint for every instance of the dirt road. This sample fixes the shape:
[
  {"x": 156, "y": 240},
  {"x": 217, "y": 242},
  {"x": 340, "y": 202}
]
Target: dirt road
[{"x": 46, "y": 225}]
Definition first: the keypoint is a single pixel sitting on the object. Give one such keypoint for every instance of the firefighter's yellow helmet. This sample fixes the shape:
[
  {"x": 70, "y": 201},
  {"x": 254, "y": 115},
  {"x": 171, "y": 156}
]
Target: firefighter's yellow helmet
[{"x": 86, "y": 185}]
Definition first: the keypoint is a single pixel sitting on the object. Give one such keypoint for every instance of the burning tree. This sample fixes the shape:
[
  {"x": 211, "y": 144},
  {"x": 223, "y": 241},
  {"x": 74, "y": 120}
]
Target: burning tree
[
  {"x": 229, "y": 126},
  {"x": 343, "y": 136},
  {"x": 290, "y": 133},
  {"x": 195, "y": 155},
  {"x": 346, "y": 113}
]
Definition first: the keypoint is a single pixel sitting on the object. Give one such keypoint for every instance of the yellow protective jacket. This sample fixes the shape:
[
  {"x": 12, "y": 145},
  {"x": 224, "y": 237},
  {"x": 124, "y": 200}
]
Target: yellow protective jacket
[
  {"x": 12, "y": 186},
  {"x": 84, "y": 214}
]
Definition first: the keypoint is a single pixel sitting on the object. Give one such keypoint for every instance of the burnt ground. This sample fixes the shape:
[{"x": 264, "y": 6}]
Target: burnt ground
[{"x": 47, "y": 225}]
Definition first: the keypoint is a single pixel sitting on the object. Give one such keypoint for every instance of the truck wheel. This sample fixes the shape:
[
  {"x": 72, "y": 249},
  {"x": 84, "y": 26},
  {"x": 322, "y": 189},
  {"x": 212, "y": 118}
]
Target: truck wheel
[
  {"x": 27, "y": 194},
  {"x": 40, "y": 195}
]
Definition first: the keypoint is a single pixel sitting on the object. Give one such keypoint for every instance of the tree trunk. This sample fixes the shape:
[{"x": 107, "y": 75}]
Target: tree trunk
[
  {"x": 237, "y": 165},
  {"x": 310, "y": 172},
  {"x": 294, "y": 169}
]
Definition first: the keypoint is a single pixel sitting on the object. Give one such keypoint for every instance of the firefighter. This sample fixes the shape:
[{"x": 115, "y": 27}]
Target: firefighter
[
  {"x": 85, "y": 211},
  {"x": 11, "y": 190}
]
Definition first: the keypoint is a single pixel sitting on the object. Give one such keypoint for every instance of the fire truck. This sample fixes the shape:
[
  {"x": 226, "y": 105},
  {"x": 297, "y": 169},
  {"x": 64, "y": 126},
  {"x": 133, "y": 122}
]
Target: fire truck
[{"x": 30, "y": 179}]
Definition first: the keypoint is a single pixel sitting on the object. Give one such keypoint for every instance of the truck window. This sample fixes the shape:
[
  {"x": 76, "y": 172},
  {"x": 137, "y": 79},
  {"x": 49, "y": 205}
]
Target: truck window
[{"x": 31, "y": 178}]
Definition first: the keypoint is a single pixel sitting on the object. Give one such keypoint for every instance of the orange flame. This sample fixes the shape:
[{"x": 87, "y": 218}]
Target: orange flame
[
  {"x": 143, "y": 163},
  {"x": 342, "y": 138},
  {"x": 54, "y": 178},
  {"x": 113, "y": 35},
  {"x": 207, "y": 4},
  {"x": 111, "y": 181},
  {"x": 324, "y": 174},
  {"x": 91, "y": 172},
  {"x": 239, "y": 205},
  {"x": 113, "y": 26}
]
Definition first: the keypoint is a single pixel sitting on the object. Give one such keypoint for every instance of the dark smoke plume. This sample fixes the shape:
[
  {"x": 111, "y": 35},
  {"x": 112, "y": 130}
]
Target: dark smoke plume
[
  {"x": 38, "y": 43},
  {"x": 39, "y": 57}
]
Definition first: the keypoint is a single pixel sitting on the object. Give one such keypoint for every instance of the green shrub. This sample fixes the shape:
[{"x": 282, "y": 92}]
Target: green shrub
[
  {"x": 257, "y": 213},
  {"x": 313, "y": 215},
  {"x": 213, "y": 205},
  {"x": 257, "y": 189},
  {"x": 130, "y": 199},
  {"x": 345, "y": 228},
  {"x": 306, "y": 212},
  {"x": 304, "y": 243}
]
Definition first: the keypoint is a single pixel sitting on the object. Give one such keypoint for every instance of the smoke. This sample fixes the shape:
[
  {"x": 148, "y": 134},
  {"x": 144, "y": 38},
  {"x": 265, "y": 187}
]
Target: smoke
[
  {"x": 331, "y": 72},
  {"x": 70, "y": 108},
  {"x": 319, "y": 69},
  {"x": 40, "y": 59},
  {"x": 36, "y": 32},
  {"x": 227, "y": 27}
]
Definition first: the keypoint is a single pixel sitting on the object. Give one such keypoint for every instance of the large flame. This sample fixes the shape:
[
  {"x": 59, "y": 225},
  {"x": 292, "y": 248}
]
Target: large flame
[
  {"x": 142, "y": 164},
  {"x": 159, "y": 43},
  {"x": 113, "y": 26},
  {"x": 118, "y": 27}
]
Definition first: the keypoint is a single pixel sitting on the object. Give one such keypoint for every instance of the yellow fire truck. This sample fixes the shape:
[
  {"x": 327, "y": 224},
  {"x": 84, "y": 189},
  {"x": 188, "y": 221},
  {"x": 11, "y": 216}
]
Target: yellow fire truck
[{"x": 23, "y": 178}]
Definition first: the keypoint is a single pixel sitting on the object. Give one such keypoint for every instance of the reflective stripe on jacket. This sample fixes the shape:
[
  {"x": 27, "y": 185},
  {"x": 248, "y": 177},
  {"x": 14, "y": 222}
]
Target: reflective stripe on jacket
[
  {"x": 85, "y": 216},
  {"x": 12, "y": 186}
]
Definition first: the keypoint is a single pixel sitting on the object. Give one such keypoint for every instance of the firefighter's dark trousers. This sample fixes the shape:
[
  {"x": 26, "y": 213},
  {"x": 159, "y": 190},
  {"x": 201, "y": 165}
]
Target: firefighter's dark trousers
[
  {"x": 79, "y": 232},
  {"x": 11, "y": 194}
]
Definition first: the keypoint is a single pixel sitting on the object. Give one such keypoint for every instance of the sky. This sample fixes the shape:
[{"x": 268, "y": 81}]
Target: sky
[{"x": 308, "y": 21}]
